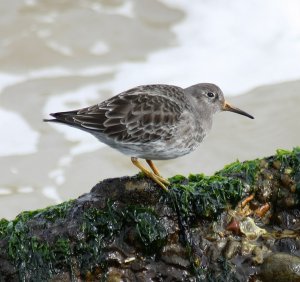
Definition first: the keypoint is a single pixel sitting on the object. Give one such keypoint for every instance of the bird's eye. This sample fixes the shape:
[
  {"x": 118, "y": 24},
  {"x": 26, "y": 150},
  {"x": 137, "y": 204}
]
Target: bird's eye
[{"x": 210, "y": 95}]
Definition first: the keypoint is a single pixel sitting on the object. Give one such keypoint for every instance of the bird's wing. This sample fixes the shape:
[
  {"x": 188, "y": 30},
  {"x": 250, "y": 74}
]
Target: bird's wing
[{"x": 137, "y": 115}]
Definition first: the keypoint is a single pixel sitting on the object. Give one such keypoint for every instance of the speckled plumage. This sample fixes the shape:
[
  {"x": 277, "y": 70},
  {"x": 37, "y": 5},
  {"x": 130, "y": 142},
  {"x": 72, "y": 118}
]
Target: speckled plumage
[{"x": 153, "y": 122}]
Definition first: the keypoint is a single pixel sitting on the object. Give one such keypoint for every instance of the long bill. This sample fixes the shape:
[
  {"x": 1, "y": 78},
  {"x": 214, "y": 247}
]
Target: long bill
[{"x": 228, "y": 107}]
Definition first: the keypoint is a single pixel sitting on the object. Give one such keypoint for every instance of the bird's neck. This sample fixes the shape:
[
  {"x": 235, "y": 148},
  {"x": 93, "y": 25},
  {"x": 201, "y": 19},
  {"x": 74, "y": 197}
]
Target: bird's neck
[{"x": 204, "y": 117}]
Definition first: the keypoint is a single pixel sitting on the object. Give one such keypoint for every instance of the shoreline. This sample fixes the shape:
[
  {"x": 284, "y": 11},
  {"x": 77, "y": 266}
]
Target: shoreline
[{"x": 276, "y": 125}]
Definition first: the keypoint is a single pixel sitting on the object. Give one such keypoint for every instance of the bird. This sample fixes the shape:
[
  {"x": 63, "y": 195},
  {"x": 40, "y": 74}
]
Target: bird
[{"x": 152, "y": 122}]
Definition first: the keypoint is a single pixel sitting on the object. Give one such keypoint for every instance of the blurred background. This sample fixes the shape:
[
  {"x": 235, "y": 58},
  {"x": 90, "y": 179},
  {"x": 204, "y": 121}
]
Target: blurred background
[{"x": 58, "y": 55}]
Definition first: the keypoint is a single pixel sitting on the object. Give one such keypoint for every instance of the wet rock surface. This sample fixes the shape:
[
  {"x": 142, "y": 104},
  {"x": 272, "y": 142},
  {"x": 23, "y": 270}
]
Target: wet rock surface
[{"x": 241, "y": 224}]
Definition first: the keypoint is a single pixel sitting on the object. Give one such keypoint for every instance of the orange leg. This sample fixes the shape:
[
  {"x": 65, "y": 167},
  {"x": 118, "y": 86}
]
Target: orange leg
[
  {"x": 156, "y": 178},
  {"x": 156, "y": 172},
  {"x": 153, "y": 167}
]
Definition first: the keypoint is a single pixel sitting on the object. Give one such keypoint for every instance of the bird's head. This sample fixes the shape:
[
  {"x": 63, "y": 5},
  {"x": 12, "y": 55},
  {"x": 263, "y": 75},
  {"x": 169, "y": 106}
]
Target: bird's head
[{"x": 210, "y": 97}]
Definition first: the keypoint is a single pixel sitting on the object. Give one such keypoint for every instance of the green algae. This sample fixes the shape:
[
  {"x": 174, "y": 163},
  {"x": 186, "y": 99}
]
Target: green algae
[
  {"x": 290, "y": 164},
  {"x": 150, "y": 232},
  {"x": 101, "y": 226},
  {"x": 203, "y": 196},
  {"x": 40, "y": 260},
  {"x": 226, "y": 272},
  {"x": 207, "y": 196},
  {"x": 200, "y": 196},
  {"x": 3, "y": 227},
  {"x": 107, "y": 222},
  {"x": 29, "y": 253},
  {"x": 98, "y": 228},
  {"x": 54, "y": 212},
  {"x": 222, "y": 271},
  {"x": 244, "y": 170},
  {"x": 289, "y": 159},
  {"x": 197, "y": 196},
  {"x": 26, "y": 251}
]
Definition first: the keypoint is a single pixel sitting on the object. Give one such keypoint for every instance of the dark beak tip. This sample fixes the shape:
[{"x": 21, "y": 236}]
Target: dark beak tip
[
  {"x": 228, "y": 107},
  {"x": 249, "y": 116}
]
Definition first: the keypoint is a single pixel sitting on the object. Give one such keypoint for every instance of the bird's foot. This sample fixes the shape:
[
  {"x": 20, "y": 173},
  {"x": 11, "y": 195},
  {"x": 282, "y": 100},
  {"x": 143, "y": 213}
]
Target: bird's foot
[
  {"x": 163, "y": 180},
  {"x": 155, "y": 176},
  {"x": 156, "y": 172},
  {"x": 159, "y": 180}
]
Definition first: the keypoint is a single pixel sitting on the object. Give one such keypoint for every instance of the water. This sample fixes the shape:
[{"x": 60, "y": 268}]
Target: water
[{"x": 62, "y": 55}]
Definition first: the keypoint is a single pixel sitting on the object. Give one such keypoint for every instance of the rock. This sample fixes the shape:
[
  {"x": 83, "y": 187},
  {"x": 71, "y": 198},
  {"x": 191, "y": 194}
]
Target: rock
[
  {"x": 281, "y": 267},
  {"x": 129, "y": 229}
]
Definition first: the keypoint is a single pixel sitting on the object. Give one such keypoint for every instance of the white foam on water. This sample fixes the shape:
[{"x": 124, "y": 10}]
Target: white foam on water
[
  {"x": 125, "y": 10},
  {"x": 5, "y": 191},
  {"x": 13, "y": 130},
  {"x": 9, "y": 79},
  {"x": 10, "y": 141},
  {"x": 92, "y": 71},
  {"x": 14, "y": 170},
  {"x": 30, "y": 2},
  {"x": 60, "y": 48},
  {"x": 43, "y": 33},
  {"x": 51, "y": 193},
  {"x": 99, "y": 48},
  {"x": 57, "y": 175},
  {"x": 25, "y": 189},
  {"x": 237, "y": 45},
  {"x": 49, "y": 18},
  {"x": 81, "y": 97},
  {"x": 48, "y": 73},
  {"x": 65, "y": 161}
]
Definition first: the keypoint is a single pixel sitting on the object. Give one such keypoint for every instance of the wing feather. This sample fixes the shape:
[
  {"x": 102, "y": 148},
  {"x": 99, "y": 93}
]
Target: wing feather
[{"x": 142, "y": 114}]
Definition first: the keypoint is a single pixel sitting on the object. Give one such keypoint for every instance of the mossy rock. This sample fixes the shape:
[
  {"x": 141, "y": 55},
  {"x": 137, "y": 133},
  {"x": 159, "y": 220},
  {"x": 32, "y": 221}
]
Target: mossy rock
[{"x": 129, "y": 229}]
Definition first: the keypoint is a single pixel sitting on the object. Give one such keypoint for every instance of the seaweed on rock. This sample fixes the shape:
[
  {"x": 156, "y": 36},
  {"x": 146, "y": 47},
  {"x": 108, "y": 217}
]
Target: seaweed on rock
[{"x": 225, "y": 227}]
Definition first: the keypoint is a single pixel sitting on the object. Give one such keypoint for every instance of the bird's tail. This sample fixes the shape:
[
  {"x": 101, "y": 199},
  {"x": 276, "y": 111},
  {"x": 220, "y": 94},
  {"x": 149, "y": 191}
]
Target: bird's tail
[{"x": 62, "y": 117}]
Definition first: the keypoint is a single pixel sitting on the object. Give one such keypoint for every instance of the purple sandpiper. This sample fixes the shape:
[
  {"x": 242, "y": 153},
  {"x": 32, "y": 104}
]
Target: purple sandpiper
[{"x": 152, "y": 122}]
